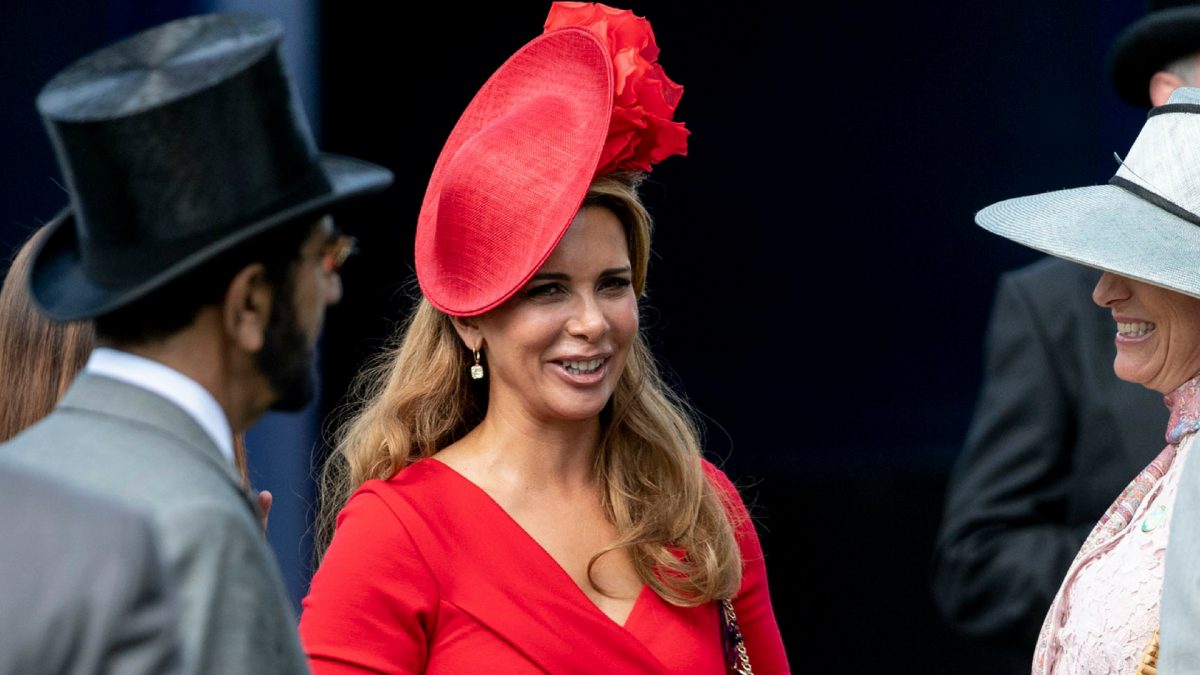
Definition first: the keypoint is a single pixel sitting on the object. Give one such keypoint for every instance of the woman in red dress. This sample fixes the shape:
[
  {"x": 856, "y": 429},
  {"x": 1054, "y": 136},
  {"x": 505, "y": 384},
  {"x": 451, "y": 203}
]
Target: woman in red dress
[{"x": 517, "y": 491}]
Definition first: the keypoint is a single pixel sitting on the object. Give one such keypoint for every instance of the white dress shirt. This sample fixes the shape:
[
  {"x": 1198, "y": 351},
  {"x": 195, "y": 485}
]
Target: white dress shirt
[{"x": 169, "y": 383}]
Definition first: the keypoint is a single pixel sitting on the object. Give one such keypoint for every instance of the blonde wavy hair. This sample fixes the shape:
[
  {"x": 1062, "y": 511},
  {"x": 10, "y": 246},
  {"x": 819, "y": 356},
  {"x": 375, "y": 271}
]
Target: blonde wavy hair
[{"x": 416, "y": 399}]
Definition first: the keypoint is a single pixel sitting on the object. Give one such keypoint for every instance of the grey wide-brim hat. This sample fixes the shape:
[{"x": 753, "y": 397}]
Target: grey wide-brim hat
[{"x": 1145, "y": 224}]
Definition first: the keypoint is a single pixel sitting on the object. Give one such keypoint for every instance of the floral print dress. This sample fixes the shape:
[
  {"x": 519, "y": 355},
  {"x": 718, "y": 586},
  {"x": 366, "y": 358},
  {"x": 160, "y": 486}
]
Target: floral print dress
[{"x": 1106, "y": 611}]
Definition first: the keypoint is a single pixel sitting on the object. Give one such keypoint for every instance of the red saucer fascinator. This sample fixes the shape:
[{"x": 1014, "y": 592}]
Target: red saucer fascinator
[{"x": 585, "y": 98}]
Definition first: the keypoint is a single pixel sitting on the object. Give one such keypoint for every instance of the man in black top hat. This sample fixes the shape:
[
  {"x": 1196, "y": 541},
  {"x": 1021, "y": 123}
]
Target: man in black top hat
[
  {"x": 1055, "y": 436},
  {"x": 198, "y": 239}
]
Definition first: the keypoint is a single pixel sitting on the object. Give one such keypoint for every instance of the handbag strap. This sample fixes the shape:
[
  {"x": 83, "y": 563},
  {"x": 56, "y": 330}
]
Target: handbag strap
[{"x": 736, "y": 657}]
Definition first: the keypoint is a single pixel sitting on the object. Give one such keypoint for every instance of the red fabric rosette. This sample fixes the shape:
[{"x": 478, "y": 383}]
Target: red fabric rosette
[{"x": 642, "y": 132}]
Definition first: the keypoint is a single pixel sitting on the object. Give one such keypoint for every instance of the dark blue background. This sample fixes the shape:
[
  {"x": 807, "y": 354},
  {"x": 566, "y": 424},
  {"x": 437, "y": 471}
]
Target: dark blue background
[{"x": 818, "y": 289}]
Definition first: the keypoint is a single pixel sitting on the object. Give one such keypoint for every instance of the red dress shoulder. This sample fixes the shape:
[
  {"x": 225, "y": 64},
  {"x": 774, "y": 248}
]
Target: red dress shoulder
[
  {"x": 427, "y": 574},
  {"x": 756, "y": 618}
]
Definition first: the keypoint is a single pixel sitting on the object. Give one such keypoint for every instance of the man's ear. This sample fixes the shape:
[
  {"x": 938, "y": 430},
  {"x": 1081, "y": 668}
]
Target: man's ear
[
  {"x": 468, "y": 331},
  {"x": 247, "y": 308},
  {"x": 1162, "y": 85}
]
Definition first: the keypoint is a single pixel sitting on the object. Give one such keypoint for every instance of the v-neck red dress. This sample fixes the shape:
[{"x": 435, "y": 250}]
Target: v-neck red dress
[{"x": 427, "y": 574}]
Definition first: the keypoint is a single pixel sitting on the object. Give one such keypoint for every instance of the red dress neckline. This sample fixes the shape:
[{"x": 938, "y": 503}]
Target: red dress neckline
[{"x": 537, "y": 547}]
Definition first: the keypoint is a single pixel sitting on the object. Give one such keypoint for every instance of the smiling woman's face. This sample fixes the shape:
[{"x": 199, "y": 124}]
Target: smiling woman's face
[
  {"x": 557, "y": 348},
  {"x": 1158, "y": 332}
]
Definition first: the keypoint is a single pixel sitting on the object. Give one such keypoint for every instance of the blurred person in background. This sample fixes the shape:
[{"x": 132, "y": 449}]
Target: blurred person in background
[
  {"x": 1055, "y": 435},
  {"x": 39, "y": 358}
]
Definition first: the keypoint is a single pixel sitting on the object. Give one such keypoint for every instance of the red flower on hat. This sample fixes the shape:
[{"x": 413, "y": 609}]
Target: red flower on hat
[{"x": 642, "y": 132}]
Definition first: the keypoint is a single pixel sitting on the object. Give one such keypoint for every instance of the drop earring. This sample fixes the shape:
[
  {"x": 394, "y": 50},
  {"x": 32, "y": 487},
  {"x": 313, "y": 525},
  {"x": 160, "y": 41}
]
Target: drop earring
[{"x": 477, "y": 369}]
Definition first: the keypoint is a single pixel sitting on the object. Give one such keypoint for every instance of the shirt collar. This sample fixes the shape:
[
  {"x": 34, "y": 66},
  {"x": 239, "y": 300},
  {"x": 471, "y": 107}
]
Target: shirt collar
[{"x": 172, "y": 385}]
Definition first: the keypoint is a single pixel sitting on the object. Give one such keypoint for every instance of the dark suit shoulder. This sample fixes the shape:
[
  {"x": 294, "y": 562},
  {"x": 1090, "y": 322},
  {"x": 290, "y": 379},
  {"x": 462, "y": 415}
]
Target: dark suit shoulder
[
  {"x": 1054, "y": 279},
  {"x": 1052, "y": 298}
]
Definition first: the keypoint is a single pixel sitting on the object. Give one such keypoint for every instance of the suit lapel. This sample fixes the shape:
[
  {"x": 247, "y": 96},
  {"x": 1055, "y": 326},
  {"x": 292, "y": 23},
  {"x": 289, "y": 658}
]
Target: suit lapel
[{"x": 101, "y": 395}]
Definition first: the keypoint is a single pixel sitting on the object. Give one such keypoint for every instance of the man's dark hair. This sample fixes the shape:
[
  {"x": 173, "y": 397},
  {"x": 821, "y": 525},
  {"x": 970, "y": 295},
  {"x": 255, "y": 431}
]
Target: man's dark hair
[{"x": 174, "y": 306}]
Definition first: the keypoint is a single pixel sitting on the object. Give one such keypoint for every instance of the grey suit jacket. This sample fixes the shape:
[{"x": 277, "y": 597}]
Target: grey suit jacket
[
  {"x": 82, "y": 589},
  {"x": 1179, "y": 611},
  {"x": 120, "y": 441}
]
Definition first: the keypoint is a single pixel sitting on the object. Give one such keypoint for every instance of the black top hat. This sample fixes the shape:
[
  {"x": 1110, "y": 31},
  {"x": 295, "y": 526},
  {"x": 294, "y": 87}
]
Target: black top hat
[
  {"x": 1170, "y": 31},
  {"x": 177, "y": 144}
]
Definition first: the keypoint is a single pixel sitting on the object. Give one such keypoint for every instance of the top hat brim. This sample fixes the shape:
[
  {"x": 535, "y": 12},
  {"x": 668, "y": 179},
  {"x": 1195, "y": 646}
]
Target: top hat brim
[
  {"x": 1105, "y": 227},
  {"x": 1149, "y": 45},
  {"x": 64, "y": 292}
]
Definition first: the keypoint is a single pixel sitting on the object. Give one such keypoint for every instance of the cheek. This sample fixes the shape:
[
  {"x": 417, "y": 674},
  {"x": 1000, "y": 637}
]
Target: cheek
[
  {"x": 1185, "y": 334},
  {"x": 624, "y": 321},
  {"x": 313, "y": 310},
  {"x": 1183, "y": 315},
  {"x": 333, "y": 290},
  {"x": 519, "y": 347}
]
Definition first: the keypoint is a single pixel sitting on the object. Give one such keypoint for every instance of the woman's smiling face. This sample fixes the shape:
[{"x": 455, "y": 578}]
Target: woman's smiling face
[
  {"x": 557, "y": 348},
  {"x": 1158, "y": 332}
]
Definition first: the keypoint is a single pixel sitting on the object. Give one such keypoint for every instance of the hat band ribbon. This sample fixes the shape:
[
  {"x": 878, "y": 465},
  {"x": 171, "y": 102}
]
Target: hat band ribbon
[
  {"x": 1174, "y": 108},
  {"x": 1156, "y": 199}
]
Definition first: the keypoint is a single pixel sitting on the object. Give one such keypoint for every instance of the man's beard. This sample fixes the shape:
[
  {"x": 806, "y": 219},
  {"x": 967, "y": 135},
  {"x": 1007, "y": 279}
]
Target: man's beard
[{"x": 286, "y": 359}]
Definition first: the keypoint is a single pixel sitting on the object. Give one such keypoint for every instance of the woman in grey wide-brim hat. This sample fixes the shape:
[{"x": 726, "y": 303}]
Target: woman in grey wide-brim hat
[{"x": 1143, "y": 231}]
